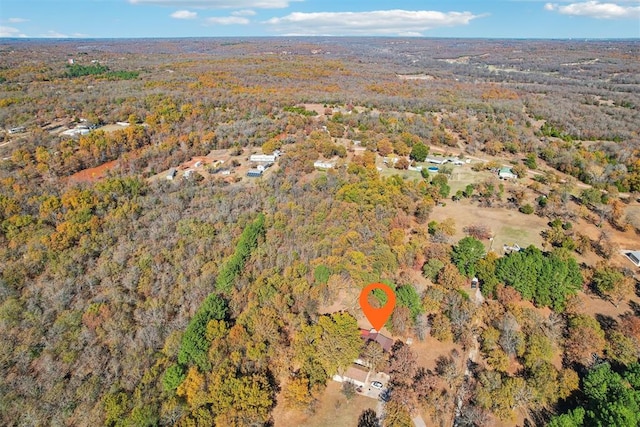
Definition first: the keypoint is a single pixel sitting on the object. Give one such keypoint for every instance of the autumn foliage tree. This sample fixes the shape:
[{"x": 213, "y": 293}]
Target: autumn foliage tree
[{"x": 585, "y": 339}]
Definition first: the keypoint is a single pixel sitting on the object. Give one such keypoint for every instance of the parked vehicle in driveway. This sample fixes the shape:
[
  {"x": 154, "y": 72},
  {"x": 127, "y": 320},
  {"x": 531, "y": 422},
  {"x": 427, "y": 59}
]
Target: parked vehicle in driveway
[{"x": 377, "y": 384}]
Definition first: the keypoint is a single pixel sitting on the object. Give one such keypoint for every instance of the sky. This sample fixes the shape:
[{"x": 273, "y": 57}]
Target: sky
[{"x": 572, "y": 19}]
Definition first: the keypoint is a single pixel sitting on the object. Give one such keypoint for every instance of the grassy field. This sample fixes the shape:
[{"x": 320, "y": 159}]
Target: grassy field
[
  {"x": 463, "y": 176},
  {"x": 335, "y": 410},
  {"x": 507, "y": 226}
]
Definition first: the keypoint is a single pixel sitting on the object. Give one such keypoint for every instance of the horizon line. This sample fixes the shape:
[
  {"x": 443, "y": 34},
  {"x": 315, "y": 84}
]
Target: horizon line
[{"x": 320, "y": 37}]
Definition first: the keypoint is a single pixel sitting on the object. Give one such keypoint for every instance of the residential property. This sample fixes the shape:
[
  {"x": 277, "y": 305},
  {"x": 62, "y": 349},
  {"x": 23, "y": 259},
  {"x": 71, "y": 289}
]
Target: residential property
[
  {"x": 254, "y": 173},
  {"x": 511, "y": 248},
  {"x": 372, "y": 335},
  {"x": 390, "y": 160},
  {"x": 438, "y": 161},
  {"x": 79, "y": 130},
  {"x": 323, "y": 164},
  {"x": 506, "y": 173},
  {"x": 19, "y": 129},
  {"x": 634, "y": 257},
  {"x": 172, "y": 173},
  {"x": 357, "y": 374},
  {"x": 263, "y": 158}
]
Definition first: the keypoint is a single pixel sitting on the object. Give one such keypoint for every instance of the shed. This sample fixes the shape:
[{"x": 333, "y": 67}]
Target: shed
[
  {"x": 506, "y": 173},
  {"x": 254, "y": 173}
]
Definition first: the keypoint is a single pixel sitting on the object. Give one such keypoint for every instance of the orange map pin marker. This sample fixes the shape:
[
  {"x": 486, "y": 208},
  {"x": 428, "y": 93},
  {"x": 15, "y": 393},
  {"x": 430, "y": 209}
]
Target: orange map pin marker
[{"x": 377, "y": 316}]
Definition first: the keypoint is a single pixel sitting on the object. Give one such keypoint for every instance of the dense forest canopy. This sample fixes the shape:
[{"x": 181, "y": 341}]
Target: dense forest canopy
[{"x": 145, "y": 279}]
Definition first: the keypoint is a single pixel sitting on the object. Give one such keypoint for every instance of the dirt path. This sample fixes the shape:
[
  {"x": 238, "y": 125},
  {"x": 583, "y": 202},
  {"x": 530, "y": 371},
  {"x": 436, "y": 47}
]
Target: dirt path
[{"x": 93, "y": 174}]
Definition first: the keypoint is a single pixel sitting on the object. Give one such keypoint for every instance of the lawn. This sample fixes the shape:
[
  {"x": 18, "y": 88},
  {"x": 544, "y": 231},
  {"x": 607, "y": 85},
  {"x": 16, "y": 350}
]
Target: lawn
[
  {"x": 333, "y": 409},
  {"x": 507, "y": 226}
]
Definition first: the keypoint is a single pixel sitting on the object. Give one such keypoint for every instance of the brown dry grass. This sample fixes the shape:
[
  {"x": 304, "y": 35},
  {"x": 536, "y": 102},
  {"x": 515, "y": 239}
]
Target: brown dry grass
[
  {"x": 333, "y": 409},
  {"x": 93, "y": 174},
  {"x": 507, "y": 226}
]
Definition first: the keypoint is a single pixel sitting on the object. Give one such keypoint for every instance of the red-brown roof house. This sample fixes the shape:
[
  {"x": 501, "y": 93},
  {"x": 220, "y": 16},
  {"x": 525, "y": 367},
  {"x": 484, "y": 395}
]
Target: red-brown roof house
[{"x": 372, "y": 335}]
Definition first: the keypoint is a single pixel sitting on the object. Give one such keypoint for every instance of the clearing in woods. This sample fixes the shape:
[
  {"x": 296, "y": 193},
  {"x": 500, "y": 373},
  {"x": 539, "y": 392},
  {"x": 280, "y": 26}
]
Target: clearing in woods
[
  {"x": 332, "y": 409},
  {"x": 507, "y": 226},
  {"x": 93, "y": 174}
]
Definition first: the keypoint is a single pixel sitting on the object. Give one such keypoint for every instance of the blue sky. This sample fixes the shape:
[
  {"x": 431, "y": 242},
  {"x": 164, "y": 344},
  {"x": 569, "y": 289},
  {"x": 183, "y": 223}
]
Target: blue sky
[{"x": 213, "y": 18}]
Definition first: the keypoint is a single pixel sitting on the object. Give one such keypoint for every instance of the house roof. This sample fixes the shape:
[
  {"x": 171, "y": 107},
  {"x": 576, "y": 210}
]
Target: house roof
[
  {"x": 634, "y": 257},
  {"x": 434, "y": 160},
  {"x": 357, "y": 373},
  {"x": 506, "y": 173},
  {"x": 385, "y": 342}
]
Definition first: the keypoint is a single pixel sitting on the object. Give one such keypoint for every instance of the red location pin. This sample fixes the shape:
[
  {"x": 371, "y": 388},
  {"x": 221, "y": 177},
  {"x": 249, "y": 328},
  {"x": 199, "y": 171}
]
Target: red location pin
[{"x": 377, "y": 316}]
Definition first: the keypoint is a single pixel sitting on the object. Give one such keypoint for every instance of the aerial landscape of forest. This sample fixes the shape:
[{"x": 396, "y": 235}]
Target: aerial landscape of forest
[{"x": 186, "y": 226}]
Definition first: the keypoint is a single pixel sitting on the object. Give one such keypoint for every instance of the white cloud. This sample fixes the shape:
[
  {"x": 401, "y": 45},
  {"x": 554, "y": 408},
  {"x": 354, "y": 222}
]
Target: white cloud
[
  {"x": 244, "y": 12},
  {"x": 220, "y": 4},
  {"x": 17, "y": 20},
  {"x": 596, "y": 9},
  {"x": 184, "y": 14},
  {"x": 10, "y": 32},
  {"x": 380, "y": 22},
  {"x": 228, "y": 20},
  {"x": 51, "y": 34}
]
